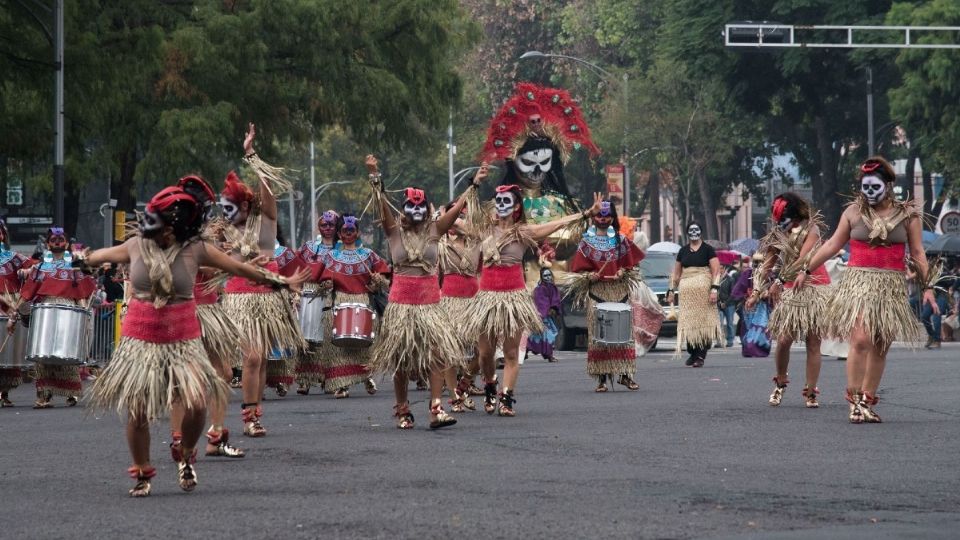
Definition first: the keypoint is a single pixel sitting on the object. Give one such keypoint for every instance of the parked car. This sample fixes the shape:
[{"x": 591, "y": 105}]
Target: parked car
[{"x": 656, "y": 268}]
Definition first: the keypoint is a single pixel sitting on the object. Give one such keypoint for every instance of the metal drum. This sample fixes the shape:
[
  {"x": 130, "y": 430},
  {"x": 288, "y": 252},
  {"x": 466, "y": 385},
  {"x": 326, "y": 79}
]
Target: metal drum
[
  {"x": 312, "y": 317},
  {"x": 59, "y": 335},
  {"x": 353, "y": 326},
  {"x": 613, "y": 323},
  {"x": 14, "y": 351}
]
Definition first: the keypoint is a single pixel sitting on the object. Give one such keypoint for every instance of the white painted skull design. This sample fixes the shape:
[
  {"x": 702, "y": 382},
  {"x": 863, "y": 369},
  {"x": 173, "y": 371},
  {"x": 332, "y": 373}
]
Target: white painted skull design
[
  {"x": 535, "y": 164},
  {"x": 231, "y": 210},
  {"x": 873, "y": 188},
  {"x": 694, "y": 232},
  {"x": 416, "y": 212},
  {"x": 504, "y": 203}
]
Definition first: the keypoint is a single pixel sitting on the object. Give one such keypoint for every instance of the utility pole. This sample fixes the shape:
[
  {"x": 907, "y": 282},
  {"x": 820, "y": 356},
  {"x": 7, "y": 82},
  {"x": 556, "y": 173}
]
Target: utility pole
[
  {"x": 626, "y": 150},
  {"x": 58, "y": 191},
  {"x": 871, "y": 147},
  {"x": 313, "y": 193},
  {"x": 451, "y": 150}
]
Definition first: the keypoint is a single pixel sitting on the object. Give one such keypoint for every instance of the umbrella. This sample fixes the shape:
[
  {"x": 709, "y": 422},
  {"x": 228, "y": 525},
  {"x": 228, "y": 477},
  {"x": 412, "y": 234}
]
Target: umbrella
[
  {"x": 948, "y": 244},
  {"x": 745, "y": 245},
  {"x": 928, "y": 237},
  {"x": 717, "y": 244},
  {"x": 727, "y": 256},
  {"x": 665, "y": 247}
]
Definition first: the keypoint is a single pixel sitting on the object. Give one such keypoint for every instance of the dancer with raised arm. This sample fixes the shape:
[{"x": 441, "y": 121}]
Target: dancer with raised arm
[{"x": 160, "y": 363}]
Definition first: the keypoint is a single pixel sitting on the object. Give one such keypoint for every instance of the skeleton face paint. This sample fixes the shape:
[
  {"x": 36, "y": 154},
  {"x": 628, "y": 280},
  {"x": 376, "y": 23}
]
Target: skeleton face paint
[
  {"x": 546, "y": 276},
  {"x": 505, "y": 204},
  {"x": 873, "y": 188},
  {"x": 415, "y": 212},
  {"x": 231, "y": 210},
  {"x": 150, "y": 225},
  {"x": 693, "y": 232},
  {"x": 535, "y": 164},
  {"x": 784, "y": 223}
]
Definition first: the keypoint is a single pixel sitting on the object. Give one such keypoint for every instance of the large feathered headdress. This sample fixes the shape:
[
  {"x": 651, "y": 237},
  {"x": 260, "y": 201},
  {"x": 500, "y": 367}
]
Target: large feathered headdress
[{"x": 536, "y": 111}]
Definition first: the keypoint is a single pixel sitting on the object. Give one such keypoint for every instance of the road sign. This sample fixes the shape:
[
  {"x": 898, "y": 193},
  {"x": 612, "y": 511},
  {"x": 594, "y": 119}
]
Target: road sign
[{"x": 950, "y": 223}]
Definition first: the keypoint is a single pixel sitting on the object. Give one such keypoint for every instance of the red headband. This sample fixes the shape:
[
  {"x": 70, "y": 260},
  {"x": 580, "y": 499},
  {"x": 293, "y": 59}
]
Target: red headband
[
  {"x": 510, "y": 187},
  {"x": 235, "y": 190},
  {"x": 870, "y": 166},
  {"x": 166, "y": 197},
  {"x": 779, "y": 205},
  {"x": 416, "y": 196},
  {"x": 194, "y": 180}
]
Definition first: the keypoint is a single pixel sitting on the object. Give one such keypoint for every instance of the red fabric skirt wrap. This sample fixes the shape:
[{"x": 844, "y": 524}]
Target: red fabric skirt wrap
[
  {"x": 169, "y": 324},
  {"x": 460, "y": 286},
  {"x": 237, "y": 284},
  {"x": 817, "y": 277},
  {"x": 891, "y": 257},
  {"x": 502, "y": 278},
  {"x": 415, "y": 290}
]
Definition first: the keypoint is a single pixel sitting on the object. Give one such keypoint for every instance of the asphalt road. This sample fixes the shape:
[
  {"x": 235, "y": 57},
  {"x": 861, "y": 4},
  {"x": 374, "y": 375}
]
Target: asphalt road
[{"x": 696, "y": 453}]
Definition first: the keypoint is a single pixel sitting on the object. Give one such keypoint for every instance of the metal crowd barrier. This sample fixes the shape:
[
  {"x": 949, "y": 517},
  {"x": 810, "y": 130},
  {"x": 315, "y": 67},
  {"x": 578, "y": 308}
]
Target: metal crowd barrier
[{"x": 106, "y": 332}]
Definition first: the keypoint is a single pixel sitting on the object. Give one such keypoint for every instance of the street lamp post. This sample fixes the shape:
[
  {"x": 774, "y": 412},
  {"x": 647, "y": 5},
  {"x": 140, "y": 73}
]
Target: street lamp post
[{"x": 625, "y": 87}]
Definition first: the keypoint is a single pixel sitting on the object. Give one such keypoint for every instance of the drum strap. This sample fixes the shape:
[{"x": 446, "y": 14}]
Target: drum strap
[{"x": 600, "y": 300}]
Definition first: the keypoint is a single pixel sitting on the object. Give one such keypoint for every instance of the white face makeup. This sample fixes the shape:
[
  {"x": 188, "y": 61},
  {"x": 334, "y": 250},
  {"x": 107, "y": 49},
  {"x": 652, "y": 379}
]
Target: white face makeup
[
  {"x": 231, "y": 211},
  {"x": 784, "y": 223},
  {"x": 873, "y": 188},
  {"x": 151, "y": 224},
  {"x": 535, "y": 164},
  {"x": 416, "y": 212},
  {"x": 504, "y": 203},
  {"x": 693, "y": 232}
]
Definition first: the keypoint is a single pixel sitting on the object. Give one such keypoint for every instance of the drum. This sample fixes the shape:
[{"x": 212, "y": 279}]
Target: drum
[
  {"x": 14, "y": 351},
  {"x": 613, "y": 323},
  {"x": 312, "y": 317},
  {"x": 353, "y": 326},
  {"x": 59, "y": 335}
]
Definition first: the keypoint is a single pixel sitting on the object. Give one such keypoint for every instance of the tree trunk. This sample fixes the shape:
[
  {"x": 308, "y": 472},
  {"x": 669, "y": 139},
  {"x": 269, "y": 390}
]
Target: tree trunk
[
  {"x": 928, "y": 202},
  {"x": 709, "y": 207},
  {"x": 826, "y": 195},
  {"x": 122, "y": 185},
  {"x": 71, "y": 209},
  {"x": 656, "y": 227},
  {"x": 907, "y": 182}
]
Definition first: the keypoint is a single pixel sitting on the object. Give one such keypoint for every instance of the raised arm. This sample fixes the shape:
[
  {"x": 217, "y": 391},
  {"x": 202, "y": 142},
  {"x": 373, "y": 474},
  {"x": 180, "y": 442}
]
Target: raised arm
[
  {"x": 218, "y": 259},
  {"x": 386, "y": 216},
  {"x": 448, "y": 218},
  {"x": 116, "y": 255},
  {"x": 539, "y": 232},
  {"x": 268, "y": 202}
]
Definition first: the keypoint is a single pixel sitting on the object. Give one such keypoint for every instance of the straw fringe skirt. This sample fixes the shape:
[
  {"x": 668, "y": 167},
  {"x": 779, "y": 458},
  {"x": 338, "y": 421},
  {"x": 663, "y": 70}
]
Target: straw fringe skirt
[
  {"x": 698, "y": 324},
  {"x": 416, "y": 339},
  {"x": 220, "y": 335},
  {"x": 59, "y": 380},
  {"x": 147, "y": 378},
  {"x": 801, "y": 313},
  {"x": 457, "y": 308},
  {"x": 309, "y": 364},
  {"x": 265, "y": 320},
  {"x": 606, "y": 358},
  {"x": 879, "y": 297},
  {"x": 347, "y": 367},
  {"x": 497, "y": 314},
  {"x": 10, "y": 378}
]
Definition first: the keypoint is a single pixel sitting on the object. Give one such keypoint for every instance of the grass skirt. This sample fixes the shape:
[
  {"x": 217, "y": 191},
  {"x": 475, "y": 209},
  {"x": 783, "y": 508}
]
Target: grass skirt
[
  {"x": 801, "y": 313},
  {"x": 607, "y": 358},
  {"x": 880, "y": 298},
  {"x": 266, "y": 320},
  {"x": 497, "y": 314},
  {"x": 416, "y": 339},
  {"x": 59, "y": 380},
  {"x": 698, "y": 324},
  {"x": 147, "y": 378},
  {"x": 456, "y": 307},
  {"x": 347, "y": 367},
  {"x": 221, "y": 337},
  {"x": 10, "y": 378},
  {"x": 309, "y": 368}
]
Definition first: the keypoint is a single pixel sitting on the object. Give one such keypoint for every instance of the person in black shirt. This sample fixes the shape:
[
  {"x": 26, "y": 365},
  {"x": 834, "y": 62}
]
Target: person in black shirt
[{"x": 698, "y": 274}]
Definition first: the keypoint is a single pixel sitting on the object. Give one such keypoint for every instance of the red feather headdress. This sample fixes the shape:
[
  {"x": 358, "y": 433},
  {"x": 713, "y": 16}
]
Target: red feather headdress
[{"x": 560, "y": 120}]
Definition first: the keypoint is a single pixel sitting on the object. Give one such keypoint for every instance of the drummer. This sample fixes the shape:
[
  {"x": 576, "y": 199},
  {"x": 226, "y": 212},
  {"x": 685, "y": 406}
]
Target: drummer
[
  {"x": 12, "y": 265},
  {"x": 55, "y": 282},
  {"x": 281, "y": 365},
  {"x": 309, "y": 369},
  {"x": 605, "y": 261},
  {"x": 353, "y": 272}
]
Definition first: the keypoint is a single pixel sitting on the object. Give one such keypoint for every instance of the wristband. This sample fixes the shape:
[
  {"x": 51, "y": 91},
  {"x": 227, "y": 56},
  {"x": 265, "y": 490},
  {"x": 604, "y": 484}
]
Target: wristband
[{"x": 250, "y": 155}]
